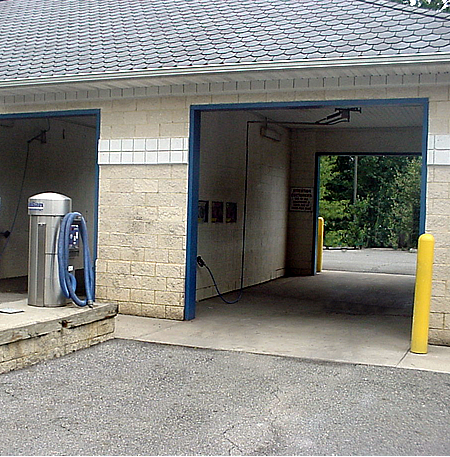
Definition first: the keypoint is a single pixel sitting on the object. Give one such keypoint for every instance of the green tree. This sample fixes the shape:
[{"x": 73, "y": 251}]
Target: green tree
[
  {"x": 440, "y": 5},
  {"x": 386, "y": 211},
  {"x": 405, "y": 212},
  {"x": 333, "y": 179}
]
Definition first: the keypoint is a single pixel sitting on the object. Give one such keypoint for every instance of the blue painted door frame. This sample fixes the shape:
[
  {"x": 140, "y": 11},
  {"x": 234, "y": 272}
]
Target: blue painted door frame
[{"x": 194, "y": 170}]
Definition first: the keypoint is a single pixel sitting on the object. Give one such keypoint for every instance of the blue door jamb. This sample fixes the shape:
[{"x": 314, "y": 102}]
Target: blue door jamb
[
  {"x": 424, "y": 176},
  {"x": 194, "y": 170},
  {"x": 192, "y": 213}
]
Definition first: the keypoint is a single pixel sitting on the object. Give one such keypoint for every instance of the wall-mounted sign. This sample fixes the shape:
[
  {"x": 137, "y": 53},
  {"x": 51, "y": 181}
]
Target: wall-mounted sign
[
  {"x": 203, "y": 210},
  {"x": 231, "y": 212},
  {"x": 302, "y": 199},
  {"x": 217, "y": 212}
]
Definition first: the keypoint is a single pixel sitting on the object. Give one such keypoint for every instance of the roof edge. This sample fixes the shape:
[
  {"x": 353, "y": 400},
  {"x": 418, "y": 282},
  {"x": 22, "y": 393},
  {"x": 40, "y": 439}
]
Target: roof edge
[{"x": 305, "y": 64}]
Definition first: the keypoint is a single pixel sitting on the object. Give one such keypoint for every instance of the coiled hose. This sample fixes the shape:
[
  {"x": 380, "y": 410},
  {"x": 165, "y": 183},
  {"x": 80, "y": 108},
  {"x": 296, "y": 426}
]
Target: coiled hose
[{"x": 66, "y": 279}]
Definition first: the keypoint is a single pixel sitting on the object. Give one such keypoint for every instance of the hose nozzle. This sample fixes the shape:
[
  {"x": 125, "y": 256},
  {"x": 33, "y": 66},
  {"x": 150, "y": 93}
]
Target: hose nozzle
[{"x": 200, "y": 261}]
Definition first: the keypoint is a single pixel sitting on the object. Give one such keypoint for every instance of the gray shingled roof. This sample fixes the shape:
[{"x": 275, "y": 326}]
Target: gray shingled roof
[{"x": 74, "y": 37}]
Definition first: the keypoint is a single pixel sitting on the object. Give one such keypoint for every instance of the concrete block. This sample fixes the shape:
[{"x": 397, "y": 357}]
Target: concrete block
[
  {"x": 441, "y": 109},
  {"x": 143, "y": 268},
  {"x": 173, "y": 186},
  {"x": 157, "y": 256},
  {"x": 145, "y": 241},
  {"x": 171, "y": 213},
  {"x": 7, "y": 366},
  {"x": 153, "y": 283},
  {"x": 142, "y": 296},
  {"x": 169, "y": 271},
  {"x": 174, "y": 312},
  {"x": 155, "y": 311},
  {"x": 440, "y": 304},
  {"x": 146, "y": 185},
  {"x": 124, "y": 105},
  {"x": 135, "y": 118},
  {"x": 225, "y": 98},
  {"x": 148, "y": 104},
  {"x": 134, "y": 309},
  {"x": 179, "y": 172},
  {"x": 176, "y": 256},
  {"x": 441, "y": 173},
  {"x": 123, "y": 131},
  {"x": 437, "y": 320},
  {"x": 438, "y": 126},
  {"x": 119, "y": 294},
  {"x": 252, "y": 97},
  {"x": 439, "y": 288},
  {"x": 447, "y": 321},
  {"x": 147, "y": 130},
  {"x": 170, "y": 242},
  {"x": 104, "y": 327},
  {"x": 439, "y": 337},
  {"x": 175, "y": 285},
  {"x": 168, "y": 298},
  {"x": 437, "y": 190},
  {"x": 435, "y": 93},
  {"x": 131, "y": 253}
]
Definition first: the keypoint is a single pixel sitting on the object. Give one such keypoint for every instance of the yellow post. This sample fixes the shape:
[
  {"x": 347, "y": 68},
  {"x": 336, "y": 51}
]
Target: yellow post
[
  {"x": 422, "y": 294},
  {"x": 320, "y": 231}
]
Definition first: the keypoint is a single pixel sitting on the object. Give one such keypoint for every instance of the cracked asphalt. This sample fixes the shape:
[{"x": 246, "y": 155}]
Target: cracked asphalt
[{"x": 132, "y": 398}]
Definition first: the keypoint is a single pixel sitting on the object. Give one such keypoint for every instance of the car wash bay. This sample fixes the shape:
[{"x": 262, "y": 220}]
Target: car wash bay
[
  {"x": 250, "y": 163},
  {"x": 45, "y": 152}
]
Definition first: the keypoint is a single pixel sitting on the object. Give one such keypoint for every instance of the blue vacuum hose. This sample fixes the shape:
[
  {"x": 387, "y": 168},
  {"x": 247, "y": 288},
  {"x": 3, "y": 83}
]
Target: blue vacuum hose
[{"x": 66, "y": 279}]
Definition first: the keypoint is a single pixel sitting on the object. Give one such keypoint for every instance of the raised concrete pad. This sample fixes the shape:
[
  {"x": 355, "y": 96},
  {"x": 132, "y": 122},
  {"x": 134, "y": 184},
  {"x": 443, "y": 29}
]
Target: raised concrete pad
[{"x": 42, "y": 333}]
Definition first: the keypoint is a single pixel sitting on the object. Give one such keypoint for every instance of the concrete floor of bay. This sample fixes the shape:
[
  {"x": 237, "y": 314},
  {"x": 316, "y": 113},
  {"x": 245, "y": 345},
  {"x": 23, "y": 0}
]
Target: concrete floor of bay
[{"x": 360, "y": 314}]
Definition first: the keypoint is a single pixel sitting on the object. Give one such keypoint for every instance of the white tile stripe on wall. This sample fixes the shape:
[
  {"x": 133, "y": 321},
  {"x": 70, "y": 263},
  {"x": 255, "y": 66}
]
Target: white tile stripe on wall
[
  {"x": 439, "y": 149},
  {"x": 143, "y": 151}
]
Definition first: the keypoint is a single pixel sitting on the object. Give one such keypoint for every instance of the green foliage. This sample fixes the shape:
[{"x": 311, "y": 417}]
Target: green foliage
[
  {"x": 386, "y": 211},
  {"x": 440, "y": 5},
  {"x": 405, "y": 211}
]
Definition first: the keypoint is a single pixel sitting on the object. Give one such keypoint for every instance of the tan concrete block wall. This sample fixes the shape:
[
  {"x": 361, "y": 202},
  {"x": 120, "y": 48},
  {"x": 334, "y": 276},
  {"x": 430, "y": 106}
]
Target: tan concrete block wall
[
  {"x": 167, "y": 116},
  {"x": 30, "y": 351},
  {"x": 301, "y": 224},
  {"x": 142, "y": 236},
  {"x": 438, "y": 224}
]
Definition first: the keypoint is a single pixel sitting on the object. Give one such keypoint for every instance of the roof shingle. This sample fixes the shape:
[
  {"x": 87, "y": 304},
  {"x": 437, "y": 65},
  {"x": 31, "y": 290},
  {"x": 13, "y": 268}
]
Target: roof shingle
[{"x": 74, "y": 37}]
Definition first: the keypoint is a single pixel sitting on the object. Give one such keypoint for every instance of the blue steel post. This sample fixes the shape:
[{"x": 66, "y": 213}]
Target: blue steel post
[
  {"x": 316, "y": 212},
  {"x": 424, "y": 176},
  {"x": 192, "y": 214},
  {"x": 97, "y": 193}
]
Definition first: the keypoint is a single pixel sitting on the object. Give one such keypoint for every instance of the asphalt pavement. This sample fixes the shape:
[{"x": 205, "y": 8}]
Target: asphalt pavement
[
  {"x": 133, "y": 398},
  {"x": 374, "y": 260}
]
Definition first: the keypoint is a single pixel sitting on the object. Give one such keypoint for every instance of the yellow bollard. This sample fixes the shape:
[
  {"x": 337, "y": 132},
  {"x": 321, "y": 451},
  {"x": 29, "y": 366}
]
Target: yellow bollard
[
  {"x": 320, "y": 232},
  {"x": 422, "y": 294}
]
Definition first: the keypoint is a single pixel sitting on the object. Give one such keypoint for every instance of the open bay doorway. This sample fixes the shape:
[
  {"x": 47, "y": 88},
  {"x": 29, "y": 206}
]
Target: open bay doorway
[
  {"x": 44, "y": 152},
  {"x": 371, "y": 210},
  {"x": 250, "y": 158}
]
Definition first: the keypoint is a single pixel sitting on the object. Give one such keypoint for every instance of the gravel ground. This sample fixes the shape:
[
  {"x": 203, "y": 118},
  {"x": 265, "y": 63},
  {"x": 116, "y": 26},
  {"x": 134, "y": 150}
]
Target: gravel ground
[{"x": 133, "y": 398}]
